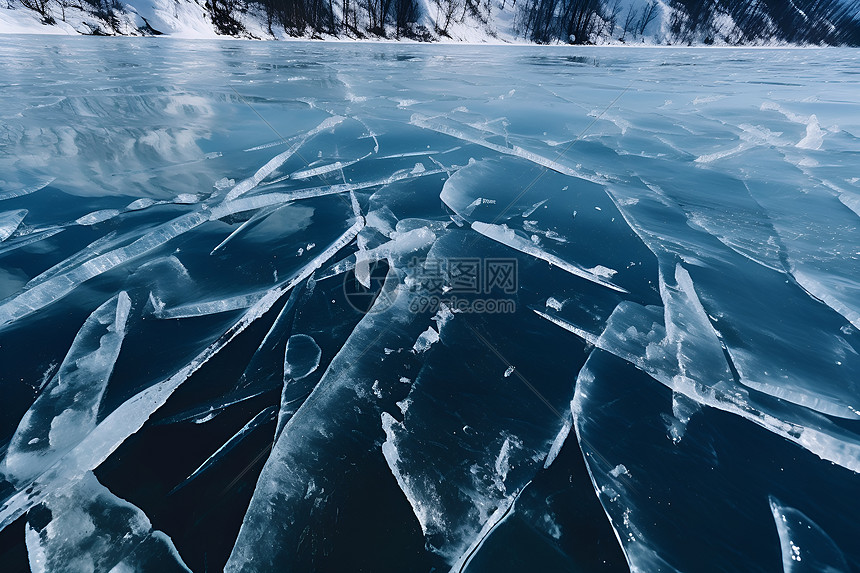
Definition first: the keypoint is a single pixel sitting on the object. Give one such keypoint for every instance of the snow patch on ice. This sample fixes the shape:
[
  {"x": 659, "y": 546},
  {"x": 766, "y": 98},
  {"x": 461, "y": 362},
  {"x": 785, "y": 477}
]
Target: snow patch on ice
[
  {"x": 619, "y": 470},
  {"x": 427, "y": 339}
]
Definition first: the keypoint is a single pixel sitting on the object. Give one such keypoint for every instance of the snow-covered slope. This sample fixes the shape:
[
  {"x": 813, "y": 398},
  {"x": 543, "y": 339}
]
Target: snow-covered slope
[
  {"x": 543, "y": 21},
  {"x": 182, "y": 18}
]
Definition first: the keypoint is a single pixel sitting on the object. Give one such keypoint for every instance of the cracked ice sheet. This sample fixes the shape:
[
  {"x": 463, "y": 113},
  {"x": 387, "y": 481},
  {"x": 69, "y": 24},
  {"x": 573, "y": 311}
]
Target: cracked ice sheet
[
  {"x": 819, "y": 231},
  {"x": 462, "y": 462},
  {"x": 369, "y": 380},
  {"x": 816, "y": 235},
  {"x": 655, "y": 132},
  {"x": 781, "y": 341},
  {"x": 621, "y": 419},
  {"x": 132, "y": 414},
  {"x": 675, "y": 357},
  {"x": 570, "y": 214},
  {"x": 333, "y": 430}
]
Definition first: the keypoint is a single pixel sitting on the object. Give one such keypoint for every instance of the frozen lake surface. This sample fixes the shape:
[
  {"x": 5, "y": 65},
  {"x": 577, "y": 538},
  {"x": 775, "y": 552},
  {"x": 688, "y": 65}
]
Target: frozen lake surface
[{"x": 377, "y": 307}]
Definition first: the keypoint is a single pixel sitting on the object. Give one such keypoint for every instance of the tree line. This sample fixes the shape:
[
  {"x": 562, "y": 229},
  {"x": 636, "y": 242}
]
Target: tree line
[{"x": 829, "y": 22}]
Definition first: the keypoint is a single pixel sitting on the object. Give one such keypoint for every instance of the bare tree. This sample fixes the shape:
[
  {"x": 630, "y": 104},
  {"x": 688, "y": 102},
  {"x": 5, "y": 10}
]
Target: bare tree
[
  {"x": 405, "y": 13},
  {"x": 629, "y": 22},
  {"x": 445, "y": 10},
  {"x": 648, "y": 15},
  {"x": 610, "y": 15},
  {"x": 377, "y": 15},
  {"x": 41, "y": 7}
]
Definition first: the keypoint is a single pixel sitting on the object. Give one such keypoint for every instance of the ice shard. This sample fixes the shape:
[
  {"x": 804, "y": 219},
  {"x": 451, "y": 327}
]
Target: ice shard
[
  {"x": 9, "y": 222},
  {"x": 29, "y": 239},
  {"x": 301, "y": 359},
  {"x": 302, "y": 356},
  {"x": 401, "y": 247},
  {"x": 323, "y": 169},
  {"x": 132, "y": 414},
  {"x": 498, "y": 516},
  {"x": 266, "y": 367},
  {"x": 65, "y": 412},
  {"x": 294, "y": 481},
  {"x": 246, "y": 185},
  {"x": 583, "y": 334},
  {"x": 557, "y": 443},
  {"x": 85, "y": 528},
  {"x": 210, "y": 409},
  {"x": 57, "y": 287},
  {"x": 462, "y": 133},
  {"x": 238, "y": 302},
  {"x": 689, "y": 333},
  {"x": 255, "y": 202},
  {"x": 255, "y": 218},
  {"x": 265, "y": 416},
  {"x": 97, "y": 217},
  {"x": 805, "y": 546},
  {"x": 362, "y": 265},
  {"x": 26, "y": 190},
  {"x": 108, "y": 242},
  {"x": 598, "y": 274}
]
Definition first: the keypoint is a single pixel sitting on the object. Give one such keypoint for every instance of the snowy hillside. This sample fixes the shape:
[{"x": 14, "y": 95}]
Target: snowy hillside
[{"x": 733, "y": 22}]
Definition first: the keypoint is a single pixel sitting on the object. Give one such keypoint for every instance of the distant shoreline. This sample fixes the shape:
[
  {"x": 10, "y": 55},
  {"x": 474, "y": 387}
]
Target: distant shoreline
[
  {"x": 629, "y": 23},
  {"x": 517, "y": 43}
]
